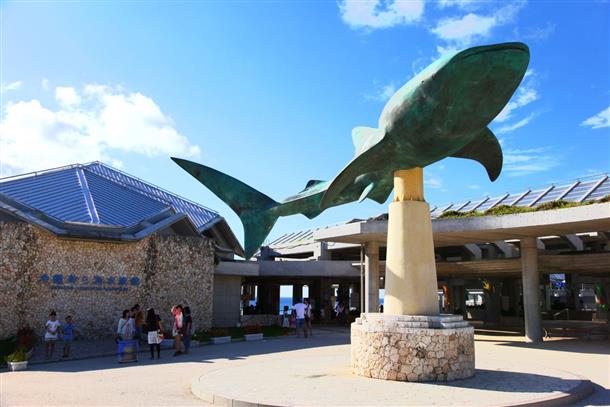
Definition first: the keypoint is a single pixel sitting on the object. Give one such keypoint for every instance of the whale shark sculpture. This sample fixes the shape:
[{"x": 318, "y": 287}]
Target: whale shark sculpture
[{"x": 441, "y": 112}]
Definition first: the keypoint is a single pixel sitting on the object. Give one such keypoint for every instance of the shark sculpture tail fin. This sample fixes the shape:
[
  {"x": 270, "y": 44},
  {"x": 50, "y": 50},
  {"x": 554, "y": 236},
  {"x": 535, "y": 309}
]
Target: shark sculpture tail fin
[{"x": 254, "y": 208}]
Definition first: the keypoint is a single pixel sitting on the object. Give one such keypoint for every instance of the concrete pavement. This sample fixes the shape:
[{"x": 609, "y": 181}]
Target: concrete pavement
[{"x": 103, "y": 382}]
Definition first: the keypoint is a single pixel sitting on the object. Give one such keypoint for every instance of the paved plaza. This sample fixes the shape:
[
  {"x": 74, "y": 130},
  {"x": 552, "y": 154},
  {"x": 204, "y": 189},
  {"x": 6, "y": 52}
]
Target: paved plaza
[{"x": 509, "y": 371}]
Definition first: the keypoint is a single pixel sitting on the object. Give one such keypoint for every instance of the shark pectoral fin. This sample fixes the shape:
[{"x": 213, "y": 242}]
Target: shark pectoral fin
[
  {"x": 365, "y": 191},
  {"x": 382, "y": 189},
  {"x": 363, "y": 137},
  {"x": 485, "y": 149}
]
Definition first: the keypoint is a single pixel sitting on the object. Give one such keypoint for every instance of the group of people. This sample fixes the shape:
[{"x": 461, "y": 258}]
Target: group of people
[
  {"x": 55, "y": 330},
  {"x": 133, "y": 325},
  {"x": 302, "y": 315}
]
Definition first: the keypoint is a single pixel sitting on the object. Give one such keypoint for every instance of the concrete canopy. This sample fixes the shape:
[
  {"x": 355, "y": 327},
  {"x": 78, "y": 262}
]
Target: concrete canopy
[{"x": 459, "y": 231}]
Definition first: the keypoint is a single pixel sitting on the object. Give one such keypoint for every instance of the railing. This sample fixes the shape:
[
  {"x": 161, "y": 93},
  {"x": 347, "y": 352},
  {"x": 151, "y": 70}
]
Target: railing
[{"x": 567, "y": 312}]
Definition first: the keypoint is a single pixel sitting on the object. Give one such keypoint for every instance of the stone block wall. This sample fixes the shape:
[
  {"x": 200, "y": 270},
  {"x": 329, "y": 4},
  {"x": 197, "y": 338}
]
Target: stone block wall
[
  {"x": 94, "y": 281},
  {"x": 412, "y": 348}
]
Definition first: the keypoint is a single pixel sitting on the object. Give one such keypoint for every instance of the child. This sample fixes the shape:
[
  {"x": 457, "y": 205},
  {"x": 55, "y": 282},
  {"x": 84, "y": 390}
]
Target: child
[
  {"x": 52, "y": 329},
  {"x": 286, "y": 317},
  {"x": 68, "y": 329}
]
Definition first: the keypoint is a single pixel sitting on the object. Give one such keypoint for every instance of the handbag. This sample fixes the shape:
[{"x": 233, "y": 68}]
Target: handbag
[{"x": 160, "y": 335}]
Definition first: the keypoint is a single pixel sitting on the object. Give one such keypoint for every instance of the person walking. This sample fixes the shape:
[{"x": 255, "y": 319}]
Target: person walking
[
  {"x": 138, "y": 316},
  {"x": 286, "y": 317},
  {"x": 308, "y": 317},
  {"x": 124, "y": 331},
  {"x": 52, "y": 330},
  {"x": 187, "y": 329},
  {"x": 154, "y": 331},
  {"x": 68, "y": 329},
  {"x": 177, "y": 328},
  {"x": 299, "y": 310},
  {"x": 340, "y": 313}
]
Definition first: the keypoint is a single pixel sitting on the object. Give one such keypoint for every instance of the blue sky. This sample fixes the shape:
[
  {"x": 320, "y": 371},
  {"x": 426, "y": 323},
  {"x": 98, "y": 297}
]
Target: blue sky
[{"x": 269, "y": 91}]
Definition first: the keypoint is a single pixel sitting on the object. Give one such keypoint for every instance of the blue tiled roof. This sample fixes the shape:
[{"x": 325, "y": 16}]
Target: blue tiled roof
[{"x": 97, "y": 194}]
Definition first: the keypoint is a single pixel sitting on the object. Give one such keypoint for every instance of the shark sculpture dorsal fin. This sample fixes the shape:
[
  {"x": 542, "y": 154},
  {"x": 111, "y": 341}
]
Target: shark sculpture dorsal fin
[
  {"x": 311, "y": 183},
  {"x": 486, "y": 150},
  {"x": 364, "y": 137}
]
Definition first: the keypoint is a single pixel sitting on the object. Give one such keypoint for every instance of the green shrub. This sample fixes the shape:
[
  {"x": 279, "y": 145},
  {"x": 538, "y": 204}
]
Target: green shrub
[
  {"x": 201, "y": 336},
  {"x": 457, "y": 214},
  {"x": 276, "y": 330},
  {"x": 560, "y": 204},
  {"x": 509, "y": 210},
  {"x": 252, "y": 329},
  {"x": 7, "y": 346},
  {"x": 506, "y": 210},
  {"x": 604, "y": 199},
  {"x": 17, "y": 356},
  {"x": 217, "y": 332}
]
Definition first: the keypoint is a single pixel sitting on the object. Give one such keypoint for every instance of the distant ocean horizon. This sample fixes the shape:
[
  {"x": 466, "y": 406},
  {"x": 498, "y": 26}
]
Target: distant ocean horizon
[{"x": 285, "y": 301}]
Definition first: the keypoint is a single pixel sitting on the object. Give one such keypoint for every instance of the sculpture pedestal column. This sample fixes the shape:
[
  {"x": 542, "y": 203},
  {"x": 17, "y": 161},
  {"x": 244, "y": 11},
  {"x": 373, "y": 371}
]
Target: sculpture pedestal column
[
  {"x": 411, "y": 286},
  {"x": 410, "y": 341}
]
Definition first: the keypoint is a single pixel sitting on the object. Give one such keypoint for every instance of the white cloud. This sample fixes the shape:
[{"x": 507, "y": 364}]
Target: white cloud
[
  {"x": 536, "y": 33},
  {"x": 433, "y": 181},
  {"x": 382, "y": 93},
  {"x": 600, "y": 120},
  {"x": 526, "y": 94},
  {"x": 67, "y": 97},
  {"x": 442, "y": 50},
  {"x": 10, "y": 86},
  {"x": 92, "y": 124},
  {"x": 375, "y": 14},
  {"x": 473, "y": 186},
  {"x": 528, "y": 161},
  {"x": 512, "y": 127},
  {"x": 462, "y": 31},
  {"x": 461, "y": 4}
]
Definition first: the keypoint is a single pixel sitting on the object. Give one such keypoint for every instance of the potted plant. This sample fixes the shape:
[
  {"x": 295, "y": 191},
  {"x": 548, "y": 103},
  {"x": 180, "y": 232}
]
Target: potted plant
[
  {"x": 220, "y": 335},
  {"x": 17, "y": 360},
  {"x": 253, "y": 333}
]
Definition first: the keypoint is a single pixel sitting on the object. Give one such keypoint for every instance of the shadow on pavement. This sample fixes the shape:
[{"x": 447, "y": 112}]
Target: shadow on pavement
[
  {"x": 599, "y": 347},
  {"x": 204, "y": 353},
  {"x": 504, "y": 381},
  {"x": 600, "y": 397}
]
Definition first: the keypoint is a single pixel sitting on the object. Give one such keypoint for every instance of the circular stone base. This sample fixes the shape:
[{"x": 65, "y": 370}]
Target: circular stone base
[
  {"x": 322, "y": 377},
  {"x": 412, "y": 348}
]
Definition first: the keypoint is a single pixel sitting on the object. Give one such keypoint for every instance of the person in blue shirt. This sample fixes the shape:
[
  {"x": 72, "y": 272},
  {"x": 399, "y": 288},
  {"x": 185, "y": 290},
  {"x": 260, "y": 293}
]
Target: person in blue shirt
[{"x": 68, "y": 329}]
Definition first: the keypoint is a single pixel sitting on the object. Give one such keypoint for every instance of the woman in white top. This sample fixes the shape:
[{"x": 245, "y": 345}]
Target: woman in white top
[
  {"x": 51, "y": 334},
  {"x": 124, "y": 329}
]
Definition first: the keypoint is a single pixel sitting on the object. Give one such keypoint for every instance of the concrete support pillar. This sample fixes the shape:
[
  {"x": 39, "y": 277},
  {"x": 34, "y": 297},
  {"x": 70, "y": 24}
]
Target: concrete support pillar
[
  {"x": 354, "y": 299},
  {"x": 371, "y": 277},
  {"x": 531, "y": 289},
  {"x": 411, "y": 286},
  {"x": 320, "y": 251}
]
